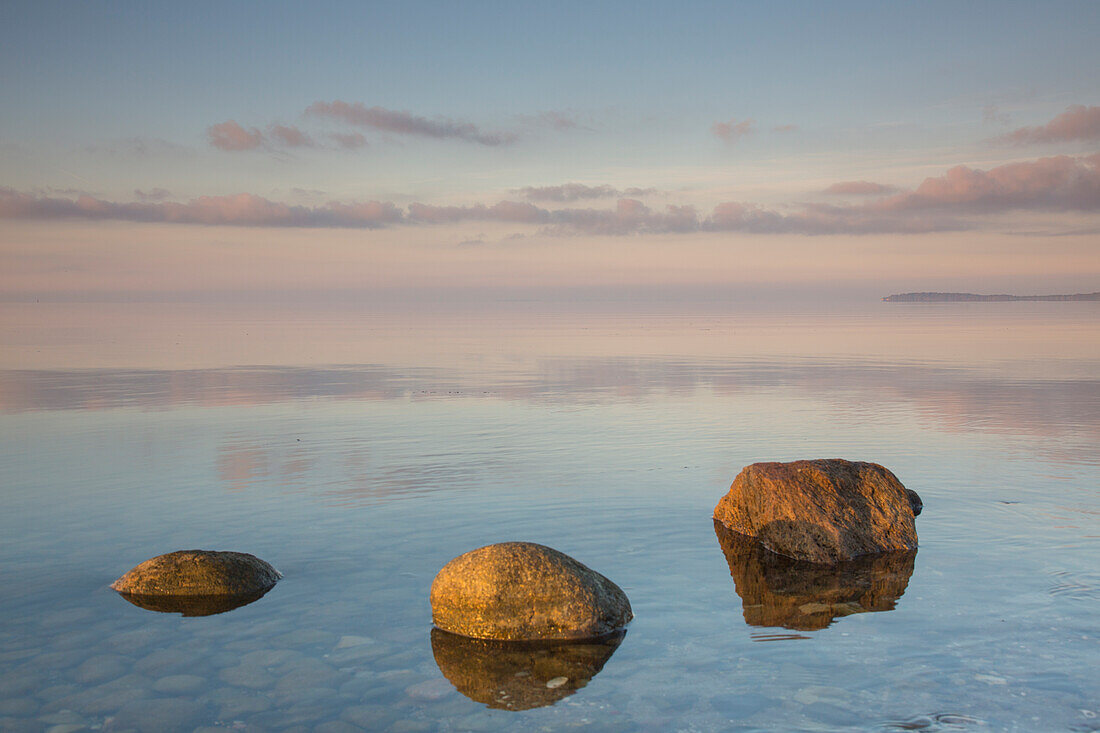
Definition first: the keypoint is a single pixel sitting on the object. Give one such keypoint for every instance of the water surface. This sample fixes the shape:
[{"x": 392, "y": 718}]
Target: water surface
[{"x": 358, "y": 451}]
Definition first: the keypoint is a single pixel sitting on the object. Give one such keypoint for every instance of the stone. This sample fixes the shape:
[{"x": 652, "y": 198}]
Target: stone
[
  {"x": 179, "y": 684},
  {"x": 511, "y": 675},
  {"x": 198, "y": 573},
  {"x": 822, "y": 511},
  {"x": 779, "y": 591},
  {"x": 371, "y": 717},
  {"x": 192, "y": 605},
  {"x": 101, "y": 668},
  {"x": 523, "y": 591},
  {"x": 430, "y": 690},
  {"x": 156, "y": 715},
  {"x": 20, "y": 707},
  {"x": 250, "y": 676}
]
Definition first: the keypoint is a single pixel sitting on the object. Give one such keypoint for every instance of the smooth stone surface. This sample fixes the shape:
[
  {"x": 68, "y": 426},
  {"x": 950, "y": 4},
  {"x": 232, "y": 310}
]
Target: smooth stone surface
[
  {"x": 519, "y": 675},
  {"x": 156, "y": 715},
  {"x": 179, "y": 684},
  {"x": 199, "y": 573},
  {"x": 523, "y": 591},
  {"x": 821, "y": 511},
  {"x": 779, "y": 591}
]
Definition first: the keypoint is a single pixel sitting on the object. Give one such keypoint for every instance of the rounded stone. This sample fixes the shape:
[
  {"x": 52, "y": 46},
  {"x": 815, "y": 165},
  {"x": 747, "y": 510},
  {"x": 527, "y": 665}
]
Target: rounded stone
[
  {"x": 523, "y": 591},
  {"x": 822, "y": 511},
  {"x": 199, "y": 573}
]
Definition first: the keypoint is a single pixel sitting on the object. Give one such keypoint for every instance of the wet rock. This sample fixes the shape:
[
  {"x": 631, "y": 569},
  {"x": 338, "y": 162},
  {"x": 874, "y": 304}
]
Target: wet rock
[
  {"x": 179, "y": 684},
  {"x": 200, "y": 573},
  {"x": 779, "y": 591},
  {"x": 10, "y": 724},
  {"x": 306, "y": 674},
  {"x": 523, "y": 591},
  {"x": 411, "y": 726},
  {"x": 193, "y": 605},
  {"x": 101, "y": 668},
  {"x": 430, "y": 690},
  {"x": 234, "y": 703},
  {"x": 161, "y": 662},
  {"x": 18, "y": 707},
  {"x": 156, "y": 715},
  {"x": 915, "y": 502},
  {"x": 336, "y": 726},
  {"x": 519, "y": 675},
  {"x": 371, "y": 717},
  {"x": 822, "y": 511},
  {"x": 66, "y": 728},
  {"x": 250, "y": 676}
]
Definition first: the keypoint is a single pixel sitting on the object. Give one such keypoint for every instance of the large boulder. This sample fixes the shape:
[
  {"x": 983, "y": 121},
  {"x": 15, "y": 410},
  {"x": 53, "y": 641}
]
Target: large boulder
[
  {"x": 778, "y": 591},
  {"x": 195, "y": 573},
  {"x": 523, "y": 591},
  {"x": 519, "y": 675},
  {"x": 822, "y": 511}
]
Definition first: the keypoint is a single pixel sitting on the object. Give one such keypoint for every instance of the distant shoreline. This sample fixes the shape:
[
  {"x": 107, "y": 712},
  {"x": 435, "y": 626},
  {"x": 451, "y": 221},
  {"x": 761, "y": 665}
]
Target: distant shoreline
[{"x": 972, "y": 297}]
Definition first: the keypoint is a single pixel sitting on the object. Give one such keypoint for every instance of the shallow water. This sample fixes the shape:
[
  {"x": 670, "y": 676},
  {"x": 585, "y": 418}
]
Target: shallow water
[{"x": 359, "y": 451}]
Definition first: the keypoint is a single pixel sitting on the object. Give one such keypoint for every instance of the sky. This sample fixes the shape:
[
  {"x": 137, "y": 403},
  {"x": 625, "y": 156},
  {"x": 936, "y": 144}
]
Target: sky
[{"x": 156, "y": 150}]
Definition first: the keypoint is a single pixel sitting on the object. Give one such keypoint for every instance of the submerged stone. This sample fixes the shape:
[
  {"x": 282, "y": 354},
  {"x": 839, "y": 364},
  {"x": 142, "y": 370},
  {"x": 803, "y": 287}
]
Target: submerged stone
[
  {"x": 779, "y": 591},
  {"x": 516, "y": 675},
  {"x": 822, "y": 511},
  {"x": 523, "y": 591},
  {"x": 197, "y": 582}
]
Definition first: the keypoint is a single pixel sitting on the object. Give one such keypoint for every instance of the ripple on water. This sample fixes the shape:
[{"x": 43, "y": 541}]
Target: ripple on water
[{"x": 936, "y": 722}]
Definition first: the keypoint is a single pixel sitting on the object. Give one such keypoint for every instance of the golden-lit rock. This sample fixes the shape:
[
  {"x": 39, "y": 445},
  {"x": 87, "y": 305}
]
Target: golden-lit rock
[
  {"x": 822, "y": 511},
  {"x": 523, "y": 591},
  {"x": 199, "y": 573},
  {"x": 779, "y": 591},
  {"x": 516, "y": 675}
]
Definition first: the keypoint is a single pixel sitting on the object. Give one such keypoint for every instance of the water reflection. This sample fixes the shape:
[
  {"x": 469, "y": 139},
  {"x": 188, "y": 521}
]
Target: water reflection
[
  {"x": 519, "y": 675},
  {"x": 959, "y": 399},
  {"x": 193, "y": 605},
  {"x": 779, "y": 591}
]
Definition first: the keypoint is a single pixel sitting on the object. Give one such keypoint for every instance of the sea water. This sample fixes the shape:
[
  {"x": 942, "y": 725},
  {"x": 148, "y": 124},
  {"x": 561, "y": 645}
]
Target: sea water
[{"x": 359, "y": 450}]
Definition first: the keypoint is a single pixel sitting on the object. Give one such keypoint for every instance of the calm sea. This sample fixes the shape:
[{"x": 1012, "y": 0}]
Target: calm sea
[{"x": 358, "y": 451}]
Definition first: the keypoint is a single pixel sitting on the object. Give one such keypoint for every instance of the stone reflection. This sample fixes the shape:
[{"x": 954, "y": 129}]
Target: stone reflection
[
  {"x": 778, "y": 591},
  {"x": 515, "y": 675},
  {"x": 192, "y": 605}
]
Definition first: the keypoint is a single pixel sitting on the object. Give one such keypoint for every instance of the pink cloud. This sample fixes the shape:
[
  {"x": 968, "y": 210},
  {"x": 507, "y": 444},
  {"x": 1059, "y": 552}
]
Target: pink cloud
[
  {"x": 1057, "y": 183},
  {"x": 229, "y": 135},
  {"x": 349, "y": 140},
  {"x": 578, "y": 191},
  {"x": 859, "y": 188},
  {"x": 289, "y": 136},
  {"x": 785, "y": 128},
  {"x": 942, "y": 203},
  {"x": 155, "y": 194},
  {"x": 1076, "y": 123},
  {"x": 405, "y": 123},
  {"x": 732, "y": 131},
  {"x": 241, "y": 209}
]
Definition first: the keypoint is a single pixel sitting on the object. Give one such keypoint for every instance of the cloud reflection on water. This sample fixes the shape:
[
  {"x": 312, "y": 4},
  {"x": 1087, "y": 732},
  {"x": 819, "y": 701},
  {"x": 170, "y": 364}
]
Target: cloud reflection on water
[{"x": 956, "y": 399}]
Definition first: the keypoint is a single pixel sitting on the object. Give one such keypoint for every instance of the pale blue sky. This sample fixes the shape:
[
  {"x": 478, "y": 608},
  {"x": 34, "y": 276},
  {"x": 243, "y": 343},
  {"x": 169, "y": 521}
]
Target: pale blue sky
[{"x": 113, "y": 98}]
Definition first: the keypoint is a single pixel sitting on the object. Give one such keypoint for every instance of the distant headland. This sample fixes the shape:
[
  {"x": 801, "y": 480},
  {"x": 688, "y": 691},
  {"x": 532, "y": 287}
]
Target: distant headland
[{"x": 971, "y": 297}]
